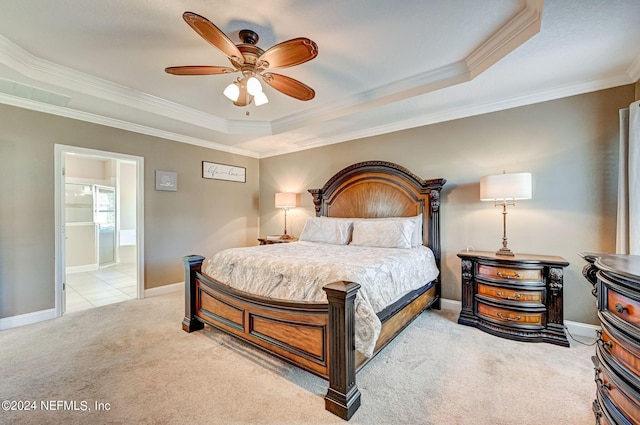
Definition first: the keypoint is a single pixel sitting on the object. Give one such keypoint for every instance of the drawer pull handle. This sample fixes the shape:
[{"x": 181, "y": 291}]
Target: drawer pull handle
[
  {"x": 621, "y": 309},
  {"x": 506, "y": 297},
  {"x": 605, "y": 345},
  {"x": 602, "y": 384},
  {"x": 509, "y": 319},
  {"x": 508, "y": 276}
]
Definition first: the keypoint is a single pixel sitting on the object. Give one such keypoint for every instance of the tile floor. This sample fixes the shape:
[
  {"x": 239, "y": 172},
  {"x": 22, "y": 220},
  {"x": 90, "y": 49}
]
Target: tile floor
[{"x": 108, "y": 285}]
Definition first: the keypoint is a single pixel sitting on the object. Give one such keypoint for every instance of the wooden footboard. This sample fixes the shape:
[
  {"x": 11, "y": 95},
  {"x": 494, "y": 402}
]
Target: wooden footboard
[{"x": 317, "y": 337}]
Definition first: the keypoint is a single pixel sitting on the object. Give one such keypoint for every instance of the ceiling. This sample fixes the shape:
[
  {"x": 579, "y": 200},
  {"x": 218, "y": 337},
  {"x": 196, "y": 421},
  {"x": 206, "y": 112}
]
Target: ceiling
[{"x": 382, "y": 65}]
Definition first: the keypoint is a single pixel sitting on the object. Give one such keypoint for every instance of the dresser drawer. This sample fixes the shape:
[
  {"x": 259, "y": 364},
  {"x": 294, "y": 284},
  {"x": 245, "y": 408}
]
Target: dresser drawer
[
  {"x": 510, "y": 273},
  {"x": 509, "y": 317},
  {"x": 623, "y": 307},
  {"x": 621, "y": 395},
  {"x": 514, "y": 295},
  {"x": 622, "y": 350}
]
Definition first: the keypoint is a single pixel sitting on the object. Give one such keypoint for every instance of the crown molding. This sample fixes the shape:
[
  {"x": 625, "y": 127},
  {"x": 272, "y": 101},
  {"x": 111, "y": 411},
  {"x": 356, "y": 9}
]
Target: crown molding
[
  {"x": 634, "y": 70},
  {"x": 519, "y": 29},
  {"x": 120, "y": 124},
  {"x": 456, "y": 112},
  {"x": 47, "y": 72},
  {"x": 505, "y": 40}
]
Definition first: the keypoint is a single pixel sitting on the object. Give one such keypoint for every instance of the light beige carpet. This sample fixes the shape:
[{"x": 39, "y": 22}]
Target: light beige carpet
[{"x": 134, "y": 358}]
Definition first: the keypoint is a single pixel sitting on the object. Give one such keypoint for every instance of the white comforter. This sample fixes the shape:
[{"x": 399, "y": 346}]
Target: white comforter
[{"x": 298, "y": 271}]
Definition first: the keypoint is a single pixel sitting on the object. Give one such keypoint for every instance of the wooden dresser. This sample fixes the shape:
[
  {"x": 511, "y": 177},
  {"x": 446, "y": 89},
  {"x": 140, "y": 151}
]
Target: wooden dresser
[
  {"x": 517, "y": 297},
  {"x": 616, "y": 280}
]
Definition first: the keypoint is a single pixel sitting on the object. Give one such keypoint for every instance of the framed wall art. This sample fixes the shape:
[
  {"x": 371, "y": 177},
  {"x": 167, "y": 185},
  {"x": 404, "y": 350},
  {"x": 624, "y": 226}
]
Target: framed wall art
[
  {"x": 212, "y": 170},
  {"x": 166, "y": 180}
]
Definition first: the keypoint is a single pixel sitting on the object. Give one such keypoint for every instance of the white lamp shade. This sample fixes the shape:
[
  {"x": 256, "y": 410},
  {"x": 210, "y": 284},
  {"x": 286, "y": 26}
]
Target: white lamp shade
[
  {"x": 505, "y": 186},
  {"x": 232, "y": 92},
  {"x": 260, "y": 99},
  {"x": 286, "y": 200},
  {"x": 253, "y": 86}
]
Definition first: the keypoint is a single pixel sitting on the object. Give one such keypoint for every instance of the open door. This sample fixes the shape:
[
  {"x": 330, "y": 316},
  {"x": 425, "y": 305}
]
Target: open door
[{"x": 96, "y": 230}]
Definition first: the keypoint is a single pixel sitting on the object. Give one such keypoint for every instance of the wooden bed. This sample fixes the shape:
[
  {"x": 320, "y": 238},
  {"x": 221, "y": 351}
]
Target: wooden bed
[{"x": 319, "y": 337}]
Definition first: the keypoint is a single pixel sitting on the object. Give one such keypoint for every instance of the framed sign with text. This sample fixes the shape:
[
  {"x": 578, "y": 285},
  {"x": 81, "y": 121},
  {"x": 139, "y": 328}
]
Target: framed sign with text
[{"x": 212, "y": 170}]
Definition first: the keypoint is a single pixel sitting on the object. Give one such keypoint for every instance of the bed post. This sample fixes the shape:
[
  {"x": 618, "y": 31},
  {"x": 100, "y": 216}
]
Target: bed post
[
  {"x": 343, "y": 395},
  {"x": 192, "y": 264},
  {"x": 434, "y": 237}
]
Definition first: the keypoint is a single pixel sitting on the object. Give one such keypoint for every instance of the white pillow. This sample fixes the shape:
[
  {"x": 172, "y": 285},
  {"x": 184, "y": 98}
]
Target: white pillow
[
  {"x": 416, "y": 236},
  {"x": 383, "y": 233},
  {"x": 327, "y": 230}
]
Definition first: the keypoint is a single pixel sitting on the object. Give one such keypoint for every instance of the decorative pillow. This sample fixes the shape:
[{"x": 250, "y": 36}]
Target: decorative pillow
[
  {"x": 327, "y": 230},
  {"x": 416, "y": 236},
  {"x": 383, "y": 233}
]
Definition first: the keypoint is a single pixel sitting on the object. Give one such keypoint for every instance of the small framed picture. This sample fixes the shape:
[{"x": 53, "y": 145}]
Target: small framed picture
[
  {"x": 212, "y": 170},
  {"x": 166, "y": 180}
]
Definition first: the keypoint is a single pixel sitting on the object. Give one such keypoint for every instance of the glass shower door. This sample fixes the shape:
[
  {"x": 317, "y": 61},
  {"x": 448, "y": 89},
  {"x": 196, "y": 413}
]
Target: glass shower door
[{"x": 105, "y": 217}]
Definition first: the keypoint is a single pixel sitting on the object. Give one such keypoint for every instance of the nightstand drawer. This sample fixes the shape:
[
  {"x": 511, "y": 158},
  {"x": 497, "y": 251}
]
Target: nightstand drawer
[
  {"x": 513, "y": 318},
  {"x": 515, "y": 295},
  {"x": 623, "y": 307},
  {"x": 510, "y": 273}
]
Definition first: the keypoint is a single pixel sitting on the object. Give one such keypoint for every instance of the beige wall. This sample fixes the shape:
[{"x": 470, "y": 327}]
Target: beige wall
[
  {"x": 202, "y": 217},
  {"x": 569, "y": 145}
]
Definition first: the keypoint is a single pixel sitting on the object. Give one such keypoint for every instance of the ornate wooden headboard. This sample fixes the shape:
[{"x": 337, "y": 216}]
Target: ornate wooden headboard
[{"x": 373, "y": 189}]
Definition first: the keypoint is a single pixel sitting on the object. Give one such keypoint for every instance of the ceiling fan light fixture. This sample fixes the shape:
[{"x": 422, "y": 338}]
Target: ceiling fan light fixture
[
  {"x": 232, "y": 92},
  {"x": 260, "y": 99},
  {"x": 253, "y": 86}
]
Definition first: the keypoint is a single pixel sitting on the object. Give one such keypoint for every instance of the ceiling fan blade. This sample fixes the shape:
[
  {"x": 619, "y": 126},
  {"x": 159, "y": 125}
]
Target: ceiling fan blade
[
  {"x": 288, "y": 53},
  {"x": 289, "y": 86},
  {"x": 213, "y": 35},
  {"x": 199, "y": 70}
]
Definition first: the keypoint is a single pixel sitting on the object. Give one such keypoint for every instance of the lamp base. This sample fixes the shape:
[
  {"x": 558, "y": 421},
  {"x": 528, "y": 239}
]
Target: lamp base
[
  {"x": 285, "y": 237},
  {"x": 506, "y": 252}
]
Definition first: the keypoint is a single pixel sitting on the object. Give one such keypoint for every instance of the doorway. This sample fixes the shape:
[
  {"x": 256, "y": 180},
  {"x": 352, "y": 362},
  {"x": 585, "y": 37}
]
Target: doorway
[{"x": 99, "y": 222}]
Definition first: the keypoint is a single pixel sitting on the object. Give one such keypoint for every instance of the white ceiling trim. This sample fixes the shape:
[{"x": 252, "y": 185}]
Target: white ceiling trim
[
  {"x": 634, "y": 70},
  {"x": 512, "y": 35},
  {"x": 47, "y": 72},
  {"x": 458, "y": 113},
  {"x": 120, "y": 124},
  {"x": 521, "y": 28}
]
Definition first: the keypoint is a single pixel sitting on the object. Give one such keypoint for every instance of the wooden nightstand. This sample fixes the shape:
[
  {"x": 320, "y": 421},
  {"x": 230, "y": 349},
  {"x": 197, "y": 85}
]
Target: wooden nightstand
[
  {"x": 517, "y": 297},
  {"x": 266, "y": 241}
]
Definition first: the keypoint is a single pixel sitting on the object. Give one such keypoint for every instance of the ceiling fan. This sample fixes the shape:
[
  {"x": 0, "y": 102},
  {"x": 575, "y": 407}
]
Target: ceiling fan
[{"x": 253, "y": 62}]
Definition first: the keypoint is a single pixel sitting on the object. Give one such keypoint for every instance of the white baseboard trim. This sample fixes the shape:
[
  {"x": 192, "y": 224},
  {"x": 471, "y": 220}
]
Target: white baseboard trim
[
  {"x": 582, "y": 329},
  {"x": 577, "y": 329},
  {"x": 453, "y": 305},
  {"x": 162, "y": 290},
  {"x": 27, "y": 319}
]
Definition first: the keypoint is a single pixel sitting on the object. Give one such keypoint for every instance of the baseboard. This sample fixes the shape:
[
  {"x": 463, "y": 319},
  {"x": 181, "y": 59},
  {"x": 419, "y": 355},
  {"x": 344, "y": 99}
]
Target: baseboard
[
  {"x": 578, "y": 329},
  {"x": 162, "y": 290},
  {"x": 27, "y": 319},
  {"x": 584, "y": 330},
  {"x": 453, "y": 305}
]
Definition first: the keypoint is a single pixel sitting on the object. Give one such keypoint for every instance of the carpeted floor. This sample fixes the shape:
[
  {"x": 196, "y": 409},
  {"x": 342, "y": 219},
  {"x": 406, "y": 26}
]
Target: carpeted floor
[{"x": 131, "y": 363}]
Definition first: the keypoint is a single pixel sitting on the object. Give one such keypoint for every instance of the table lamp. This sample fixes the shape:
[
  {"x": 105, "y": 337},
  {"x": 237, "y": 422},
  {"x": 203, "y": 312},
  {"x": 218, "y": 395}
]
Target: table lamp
[
  {"x": 286, "y": 201},
  {"x": 504, "y": 189}
]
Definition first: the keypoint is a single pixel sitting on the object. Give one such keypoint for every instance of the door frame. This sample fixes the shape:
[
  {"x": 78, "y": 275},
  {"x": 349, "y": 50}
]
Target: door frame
[{"x": 59, "y": 216}]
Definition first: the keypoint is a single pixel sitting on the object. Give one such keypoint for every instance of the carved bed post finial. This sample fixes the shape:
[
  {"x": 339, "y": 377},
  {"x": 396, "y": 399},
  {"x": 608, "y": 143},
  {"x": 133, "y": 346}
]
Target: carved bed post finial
[{"x": 317, "y": 200}]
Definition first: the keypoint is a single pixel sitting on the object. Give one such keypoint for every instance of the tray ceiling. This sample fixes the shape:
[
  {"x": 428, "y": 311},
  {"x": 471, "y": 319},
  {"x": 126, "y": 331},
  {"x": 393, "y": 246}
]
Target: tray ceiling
[{"x": 382, "y": 66}]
